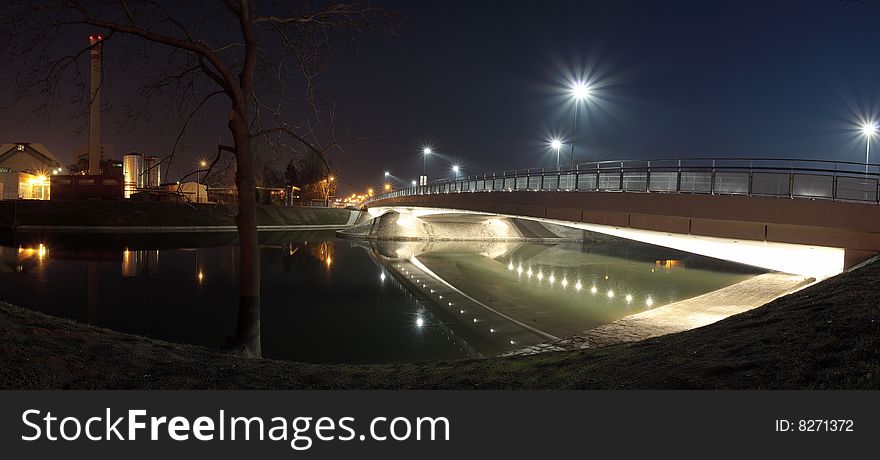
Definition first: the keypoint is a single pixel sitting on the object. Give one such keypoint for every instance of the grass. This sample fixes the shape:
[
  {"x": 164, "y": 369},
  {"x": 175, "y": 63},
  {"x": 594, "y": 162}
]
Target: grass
[{"x": 826, "y": 336}]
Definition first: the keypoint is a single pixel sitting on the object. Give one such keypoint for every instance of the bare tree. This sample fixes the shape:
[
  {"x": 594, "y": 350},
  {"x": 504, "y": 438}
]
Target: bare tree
[{"x": 248, "y": 52}]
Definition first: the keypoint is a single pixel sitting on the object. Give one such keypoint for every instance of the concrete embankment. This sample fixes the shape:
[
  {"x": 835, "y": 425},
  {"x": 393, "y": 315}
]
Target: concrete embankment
[
  {"x": 408, "y": 226},
  {"x": 681, "y": 316},
  {"x": 126, "y": 216}
]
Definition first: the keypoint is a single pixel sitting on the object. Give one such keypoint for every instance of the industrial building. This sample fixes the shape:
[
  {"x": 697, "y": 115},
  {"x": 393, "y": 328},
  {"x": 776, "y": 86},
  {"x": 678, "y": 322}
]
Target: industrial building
[{"x": 24, "y": 171}]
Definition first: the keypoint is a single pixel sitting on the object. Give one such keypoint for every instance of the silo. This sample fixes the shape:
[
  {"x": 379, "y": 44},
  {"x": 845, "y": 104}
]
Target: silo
[
  {"x": 152, "y": 178},
  {"x": 132, "y": 169}
]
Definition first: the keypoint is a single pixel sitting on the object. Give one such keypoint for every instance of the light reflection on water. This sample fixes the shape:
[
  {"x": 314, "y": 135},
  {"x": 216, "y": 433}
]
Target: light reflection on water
[{"x": 329, "y": 300}]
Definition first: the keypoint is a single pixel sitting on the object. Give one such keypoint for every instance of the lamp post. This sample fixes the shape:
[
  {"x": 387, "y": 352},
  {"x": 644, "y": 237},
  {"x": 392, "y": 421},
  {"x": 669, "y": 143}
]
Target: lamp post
[
  {"x": 202, "y": 164},
  {"x": 868, "y": 129},
  {"x": 425, "y": 152},
  {"x": 555, "y": 144},
  {"x": 579, "y": 91}
]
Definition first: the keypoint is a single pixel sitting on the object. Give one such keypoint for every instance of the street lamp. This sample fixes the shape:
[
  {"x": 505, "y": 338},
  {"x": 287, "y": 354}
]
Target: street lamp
[
  {"x": 556, "y": 144},
  {"x": 579, "y": 92},
  {"x": 455, "y": 169},
  {"x": 413, "y": 183},
  {"x": 202, "y": 164},
  {"x": 425, "y": 152},
  {"x": 868, "y": 129}
]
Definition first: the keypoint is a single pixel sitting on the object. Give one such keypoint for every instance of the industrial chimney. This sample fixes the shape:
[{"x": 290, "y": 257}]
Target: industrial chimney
[{"x": 95, "y": 105}]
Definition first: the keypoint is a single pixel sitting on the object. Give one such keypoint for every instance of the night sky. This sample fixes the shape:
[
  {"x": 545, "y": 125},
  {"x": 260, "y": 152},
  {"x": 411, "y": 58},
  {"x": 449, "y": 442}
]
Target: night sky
[{"x": 484, "y": 83}]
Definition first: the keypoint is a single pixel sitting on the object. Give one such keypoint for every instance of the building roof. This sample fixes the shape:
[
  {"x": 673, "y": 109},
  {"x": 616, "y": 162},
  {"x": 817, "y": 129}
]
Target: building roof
[{"x": 25, "y": 156}]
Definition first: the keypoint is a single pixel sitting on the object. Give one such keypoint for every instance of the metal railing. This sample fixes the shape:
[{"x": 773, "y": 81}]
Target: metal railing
[{"x": 790, "y": 178}]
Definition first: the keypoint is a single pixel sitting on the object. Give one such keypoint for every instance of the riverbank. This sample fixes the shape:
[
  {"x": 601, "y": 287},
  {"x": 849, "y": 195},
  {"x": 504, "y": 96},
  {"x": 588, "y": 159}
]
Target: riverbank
[
  {"x": 824, "y": 336},
  {"x": 124, "y": 215}
]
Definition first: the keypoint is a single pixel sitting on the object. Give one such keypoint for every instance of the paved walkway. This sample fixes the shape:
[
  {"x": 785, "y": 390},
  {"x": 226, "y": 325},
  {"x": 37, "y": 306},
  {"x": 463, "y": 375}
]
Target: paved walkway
[{"x": 680, "y": 316}]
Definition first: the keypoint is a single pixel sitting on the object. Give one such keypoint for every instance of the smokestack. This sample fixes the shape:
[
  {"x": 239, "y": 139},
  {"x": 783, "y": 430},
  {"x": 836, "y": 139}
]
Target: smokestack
[{"x": 95, "y": 105}]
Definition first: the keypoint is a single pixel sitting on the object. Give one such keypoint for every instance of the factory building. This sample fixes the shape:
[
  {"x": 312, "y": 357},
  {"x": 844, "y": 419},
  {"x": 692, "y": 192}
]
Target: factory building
[{"x": 24, "y": 171}]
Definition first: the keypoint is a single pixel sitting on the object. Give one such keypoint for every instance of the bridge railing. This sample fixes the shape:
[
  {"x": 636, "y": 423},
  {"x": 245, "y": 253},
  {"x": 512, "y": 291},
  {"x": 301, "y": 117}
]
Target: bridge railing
[{"x": 791, "y": 178}]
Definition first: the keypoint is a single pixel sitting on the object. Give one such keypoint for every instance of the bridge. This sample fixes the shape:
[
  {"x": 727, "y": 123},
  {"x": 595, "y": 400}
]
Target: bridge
[{"x": 811, "y": 217}]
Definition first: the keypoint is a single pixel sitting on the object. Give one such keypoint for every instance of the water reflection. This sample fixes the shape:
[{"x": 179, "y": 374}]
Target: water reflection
[{"x": 325, "y": 300}]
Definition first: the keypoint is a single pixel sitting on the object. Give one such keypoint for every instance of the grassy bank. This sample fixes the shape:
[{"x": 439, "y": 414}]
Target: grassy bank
[
  {"x": 127, "y": 213},
  {"x": 824, "y": 336}
]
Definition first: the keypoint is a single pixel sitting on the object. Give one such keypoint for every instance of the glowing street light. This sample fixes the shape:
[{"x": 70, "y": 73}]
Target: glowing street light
[
  {"x": 579, "y": 91},
  {"x": 455, "y": 170},
  {"x": 413, "y": 183},
  {"x": 387, "y": 187},
  {"x": 556, "y": 144}
]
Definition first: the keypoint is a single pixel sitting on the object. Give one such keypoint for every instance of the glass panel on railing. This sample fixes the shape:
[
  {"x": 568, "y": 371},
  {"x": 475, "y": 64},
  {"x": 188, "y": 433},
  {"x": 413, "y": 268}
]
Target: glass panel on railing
[
  {"x": 635, "y": 181},
  {"x": 732, "y": 183},
  {"x": 566, "y": 182},
  {"x": 856, "y": 189},
  {"x": 776, "y": 184},
  {"x": 551, "y": 182},
  {"x": 481, "y": 185},
  {"x": 663, "y": 181},
  {"x": 609, "y": 181},
  {"x": 813, "y": 186},
  {"x": 696, "y": 181},
  {"x": 521, "y": 183},
  {"x": 586, "y": 182}
]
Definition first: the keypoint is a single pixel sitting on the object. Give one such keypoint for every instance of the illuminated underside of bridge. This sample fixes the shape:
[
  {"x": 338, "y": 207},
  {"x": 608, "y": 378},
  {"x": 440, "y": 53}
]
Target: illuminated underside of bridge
[{"x": 815, "y": 238}]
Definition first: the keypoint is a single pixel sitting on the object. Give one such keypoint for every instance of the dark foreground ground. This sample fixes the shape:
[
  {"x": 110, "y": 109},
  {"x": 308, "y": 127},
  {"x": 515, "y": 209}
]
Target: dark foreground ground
[{"x": 825, "y": 336}]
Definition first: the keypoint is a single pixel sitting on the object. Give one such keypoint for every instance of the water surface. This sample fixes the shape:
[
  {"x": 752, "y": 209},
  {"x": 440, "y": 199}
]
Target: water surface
[{"x": 331, "y": 300}]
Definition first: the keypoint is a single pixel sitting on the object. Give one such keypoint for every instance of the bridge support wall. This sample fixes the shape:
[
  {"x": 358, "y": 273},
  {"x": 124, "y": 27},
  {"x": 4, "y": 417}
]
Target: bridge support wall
[{"x": 852, "y": 226}]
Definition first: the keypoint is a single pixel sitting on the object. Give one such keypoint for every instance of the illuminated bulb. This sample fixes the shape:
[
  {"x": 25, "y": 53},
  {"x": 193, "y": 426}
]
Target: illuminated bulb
[
  {"x": 450, "y": 304},
  {"x": 578, "y": 286},
  {"x": 610, "y": 294},
  {"x": 440, "y": 296},
  {"x": 552, "y": 279},
  {"x": 529, "y": 272},
  {"x": 510, "y": 266},
  {"x": 593, "y": 290},
  {"x": 461, "y": 312},
  {"x": 519, "y": 270},
  {"x": 564, "y": 282},
  {"x": 540, "y": 275},
  {"x": 512, "y": 342},
  {"x": 629, "y": 298},
  {"x": 420, "y": 322},
  {"x": 491, "y": 330},
  {"x": 649, "y": 301},
  {"x": 606, "y": 277},
  {"x": 475, "y": 320},
  {"x": 382, "y": 276}
]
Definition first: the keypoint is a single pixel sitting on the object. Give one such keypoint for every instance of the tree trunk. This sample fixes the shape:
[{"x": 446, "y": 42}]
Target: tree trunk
[{"x": 248, "y": 328}]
